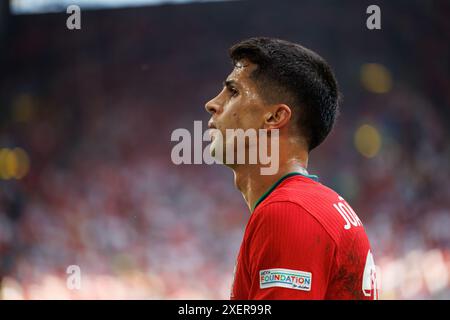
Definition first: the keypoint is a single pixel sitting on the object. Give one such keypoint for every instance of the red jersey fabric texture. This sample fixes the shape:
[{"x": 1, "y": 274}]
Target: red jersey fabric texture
[{"x": 303, "y": 241}]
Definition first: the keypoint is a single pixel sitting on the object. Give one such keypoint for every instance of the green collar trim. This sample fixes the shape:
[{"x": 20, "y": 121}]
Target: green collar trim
[{"x": 277, "y": 183}]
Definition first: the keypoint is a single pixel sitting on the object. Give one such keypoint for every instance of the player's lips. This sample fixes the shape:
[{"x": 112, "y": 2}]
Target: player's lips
[
  {"x": 212, "y": 129},
  {"x": 211, "y": 125}
]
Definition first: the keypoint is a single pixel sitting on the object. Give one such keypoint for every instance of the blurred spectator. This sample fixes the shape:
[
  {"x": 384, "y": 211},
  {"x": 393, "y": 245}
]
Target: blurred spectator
[{"x": 94, "y": 111}]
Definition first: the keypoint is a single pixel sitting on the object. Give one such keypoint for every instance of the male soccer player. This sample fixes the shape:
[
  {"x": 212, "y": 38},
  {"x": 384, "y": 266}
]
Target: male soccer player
[{"x": 302, "y": 240}]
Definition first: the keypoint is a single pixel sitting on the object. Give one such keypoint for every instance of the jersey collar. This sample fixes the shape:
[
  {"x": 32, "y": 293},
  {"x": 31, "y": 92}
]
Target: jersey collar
[{"x": 277, "y": 183}]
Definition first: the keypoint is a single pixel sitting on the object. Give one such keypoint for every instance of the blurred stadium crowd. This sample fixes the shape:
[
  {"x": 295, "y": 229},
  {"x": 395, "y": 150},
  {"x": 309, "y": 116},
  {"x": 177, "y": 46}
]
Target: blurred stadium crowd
[{"x": 85, "y": 171}]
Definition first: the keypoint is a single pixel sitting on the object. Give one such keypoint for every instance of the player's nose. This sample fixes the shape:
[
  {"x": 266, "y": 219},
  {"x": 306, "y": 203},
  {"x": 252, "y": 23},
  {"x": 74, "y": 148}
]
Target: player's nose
[{"x": 212, "y": 106}]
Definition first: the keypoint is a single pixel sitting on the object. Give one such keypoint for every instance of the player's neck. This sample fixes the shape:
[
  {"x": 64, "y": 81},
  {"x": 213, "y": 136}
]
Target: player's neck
[{"x": 253, "y": 185}]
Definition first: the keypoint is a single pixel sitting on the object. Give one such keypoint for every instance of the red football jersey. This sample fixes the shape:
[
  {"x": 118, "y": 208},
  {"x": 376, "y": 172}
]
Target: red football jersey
[{"x": 303, "y": 241}]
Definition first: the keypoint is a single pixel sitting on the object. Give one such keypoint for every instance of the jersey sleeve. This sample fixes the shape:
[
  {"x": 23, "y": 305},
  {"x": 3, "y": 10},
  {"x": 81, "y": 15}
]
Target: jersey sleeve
[{"x": 290, "y": 254}]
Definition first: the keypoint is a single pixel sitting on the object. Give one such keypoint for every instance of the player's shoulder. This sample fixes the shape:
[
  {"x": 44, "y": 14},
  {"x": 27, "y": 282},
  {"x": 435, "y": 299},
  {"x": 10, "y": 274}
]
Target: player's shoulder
[{"x": 300, "y": 195}]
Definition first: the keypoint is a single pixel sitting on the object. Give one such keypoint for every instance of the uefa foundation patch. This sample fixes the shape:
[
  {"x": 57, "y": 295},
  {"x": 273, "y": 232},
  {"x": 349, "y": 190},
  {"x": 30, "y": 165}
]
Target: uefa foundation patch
[{"x": 285, "y": 278}]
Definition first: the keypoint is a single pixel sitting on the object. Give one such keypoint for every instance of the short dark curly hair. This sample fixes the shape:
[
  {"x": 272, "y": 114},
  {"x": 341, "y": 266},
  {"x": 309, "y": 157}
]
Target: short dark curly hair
[{"x": 292, "y": 74}]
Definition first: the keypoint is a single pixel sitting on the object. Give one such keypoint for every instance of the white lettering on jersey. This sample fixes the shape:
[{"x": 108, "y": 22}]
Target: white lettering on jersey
[
  {"x": 347, "y": 213},
  {"x": 370, "y": 283}
]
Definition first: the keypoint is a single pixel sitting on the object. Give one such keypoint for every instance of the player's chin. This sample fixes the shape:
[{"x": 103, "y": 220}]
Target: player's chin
[{"x": 214, "y": 150}]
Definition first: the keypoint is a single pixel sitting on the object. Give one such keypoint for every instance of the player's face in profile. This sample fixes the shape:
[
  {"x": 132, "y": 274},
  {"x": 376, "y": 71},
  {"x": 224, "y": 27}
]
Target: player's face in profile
[{"x": 238, "y": 106}]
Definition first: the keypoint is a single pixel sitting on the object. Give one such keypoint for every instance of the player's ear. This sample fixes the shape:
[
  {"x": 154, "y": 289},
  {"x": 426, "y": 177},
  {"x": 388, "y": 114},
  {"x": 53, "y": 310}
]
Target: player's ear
[{"x": 278, "y": 117}]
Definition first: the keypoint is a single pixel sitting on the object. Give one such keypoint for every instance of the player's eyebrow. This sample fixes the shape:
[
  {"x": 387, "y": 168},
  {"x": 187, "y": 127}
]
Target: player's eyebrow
[{"x": 230, "y": 83}]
